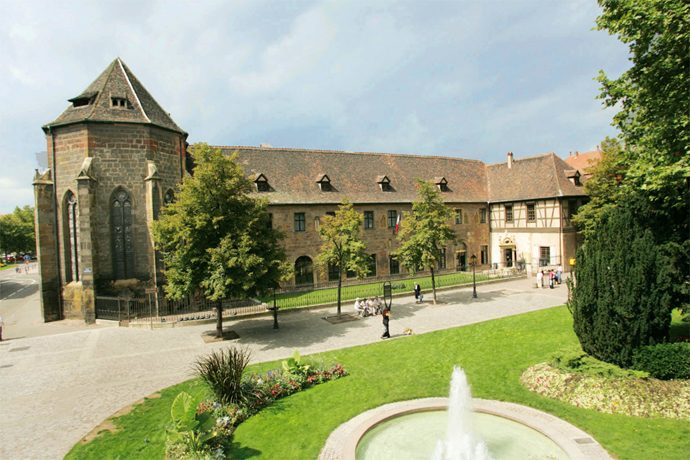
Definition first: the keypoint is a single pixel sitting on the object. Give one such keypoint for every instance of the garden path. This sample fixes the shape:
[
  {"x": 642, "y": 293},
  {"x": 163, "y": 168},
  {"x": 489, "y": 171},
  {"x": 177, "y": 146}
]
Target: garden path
[{"x": 55, "y": 388}]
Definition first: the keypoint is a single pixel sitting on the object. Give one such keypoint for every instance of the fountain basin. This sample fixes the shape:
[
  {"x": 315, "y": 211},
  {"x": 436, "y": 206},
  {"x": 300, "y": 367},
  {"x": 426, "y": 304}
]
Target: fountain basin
[{"x": 573, "y": 442}]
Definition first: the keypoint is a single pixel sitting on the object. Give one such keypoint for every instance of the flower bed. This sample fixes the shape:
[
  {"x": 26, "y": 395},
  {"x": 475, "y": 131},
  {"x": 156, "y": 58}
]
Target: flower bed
[
  {"x": 204, "y": 429},
  {"x": 642, "y": 397}
]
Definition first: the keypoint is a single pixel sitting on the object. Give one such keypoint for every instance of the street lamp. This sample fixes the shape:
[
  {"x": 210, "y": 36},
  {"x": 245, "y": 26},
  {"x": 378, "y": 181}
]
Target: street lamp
[{"x": 473, "y": 262}]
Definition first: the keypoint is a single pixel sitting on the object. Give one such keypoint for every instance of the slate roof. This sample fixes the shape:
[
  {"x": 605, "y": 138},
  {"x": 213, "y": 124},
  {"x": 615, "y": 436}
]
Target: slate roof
[
  {"x": 538, "y": 177},
  {"x": 291, "y": 175},
  {"x": 116, "y": 81}
]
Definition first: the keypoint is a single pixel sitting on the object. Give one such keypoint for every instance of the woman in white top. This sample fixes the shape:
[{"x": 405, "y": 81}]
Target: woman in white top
[{"x": 359, "y": 308}]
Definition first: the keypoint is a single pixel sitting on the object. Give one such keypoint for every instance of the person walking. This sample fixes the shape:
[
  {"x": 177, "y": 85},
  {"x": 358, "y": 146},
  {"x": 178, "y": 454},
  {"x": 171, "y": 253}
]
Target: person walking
[
  {"x": 386, "y": 321},
  {"x": 540, "y": 279},
  {"x": 552, "y": 278},
  {"x": 417, "y": 292},
  {"x": 559, "y": 274}
]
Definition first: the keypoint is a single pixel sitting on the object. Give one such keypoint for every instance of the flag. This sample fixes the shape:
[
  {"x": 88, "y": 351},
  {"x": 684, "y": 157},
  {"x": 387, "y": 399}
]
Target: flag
[{"x": 397, "y": 223}]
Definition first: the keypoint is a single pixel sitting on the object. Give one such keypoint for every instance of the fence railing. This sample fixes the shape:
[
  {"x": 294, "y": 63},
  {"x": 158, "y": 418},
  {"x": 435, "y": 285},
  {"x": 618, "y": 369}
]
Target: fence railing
[{"x": 161, "y": 310}]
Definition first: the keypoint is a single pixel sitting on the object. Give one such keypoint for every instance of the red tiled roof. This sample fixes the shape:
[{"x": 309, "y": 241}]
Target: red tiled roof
[{"x": 582, "y": 161}]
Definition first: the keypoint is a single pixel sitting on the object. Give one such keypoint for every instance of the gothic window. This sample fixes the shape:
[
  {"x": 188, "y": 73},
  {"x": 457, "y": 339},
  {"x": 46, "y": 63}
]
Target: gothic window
[
  {"x": 123, "y": 244},
  {"x": 155, "y": 201},
  {"x": 72, "y": 244}
]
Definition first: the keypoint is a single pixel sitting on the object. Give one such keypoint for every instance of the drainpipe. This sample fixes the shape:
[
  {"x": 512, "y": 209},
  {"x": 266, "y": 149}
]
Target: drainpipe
[{"x": 56, "y": 231}]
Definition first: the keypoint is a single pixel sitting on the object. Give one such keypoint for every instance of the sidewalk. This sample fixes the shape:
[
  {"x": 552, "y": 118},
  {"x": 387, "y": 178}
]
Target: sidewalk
[{"x": 55, "y": 388}]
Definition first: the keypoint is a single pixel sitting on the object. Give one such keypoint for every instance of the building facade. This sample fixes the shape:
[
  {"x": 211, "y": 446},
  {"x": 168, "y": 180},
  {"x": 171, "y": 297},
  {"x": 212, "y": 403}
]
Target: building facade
[{"x": 115, "y": 158}]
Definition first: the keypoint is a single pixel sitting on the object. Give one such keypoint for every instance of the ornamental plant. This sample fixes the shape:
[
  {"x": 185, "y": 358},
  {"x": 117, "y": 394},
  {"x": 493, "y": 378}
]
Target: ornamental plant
[
  {"x": 222, "y": 371},
  {"x": 664, "y": 361}
]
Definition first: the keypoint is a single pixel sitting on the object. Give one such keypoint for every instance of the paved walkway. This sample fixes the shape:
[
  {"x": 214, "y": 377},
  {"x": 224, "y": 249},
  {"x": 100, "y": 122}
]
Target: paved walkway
[{"x": 55, "y": 388}]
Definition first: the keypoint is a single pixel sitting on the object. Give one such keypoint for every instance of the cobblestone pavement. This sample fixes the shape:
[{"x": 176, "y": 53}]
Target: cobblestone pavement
[{"x": 55, "y": 388}]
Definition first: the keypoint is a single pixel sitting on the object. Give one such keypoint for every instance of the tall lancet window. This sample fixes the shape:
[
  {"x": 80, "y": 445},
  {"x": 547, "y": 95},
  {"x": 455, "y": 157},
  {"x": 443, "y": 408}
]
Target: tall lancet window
[
  {"x": 72, "y": 237},
  {"x": 121, "y": 221}
]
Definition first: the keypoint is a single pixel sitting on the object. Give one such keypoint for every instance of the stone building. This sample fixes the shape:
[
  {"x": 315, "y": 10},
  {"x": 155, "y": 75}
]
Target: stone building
[{"x": 115, "y": 157}]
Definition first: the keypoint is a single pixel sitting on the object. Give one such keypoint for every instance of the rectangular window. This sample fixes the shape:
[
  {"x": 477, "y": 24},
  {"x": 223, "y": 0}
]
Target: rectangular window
[
  {"x": 333, "y": 272},
  {"x": 544, "y": 256},
  {"x": 300, "y": 222},
  {"x": 392, "y": 218},
  {"x": 368, "y": 219},
  {"x": 572, "y": 208},
  {"x": 442, "y": 259},
  {"x": 484, "y": 255},
  {"x": 482, "y": 216},
  {"x": 458, "y": 216},
  {"x": 371, "y": 265},
  {"x": 393, "y": 265},
  {"x": 531, "y": 213},
  {"x": 509, "y": 212}
]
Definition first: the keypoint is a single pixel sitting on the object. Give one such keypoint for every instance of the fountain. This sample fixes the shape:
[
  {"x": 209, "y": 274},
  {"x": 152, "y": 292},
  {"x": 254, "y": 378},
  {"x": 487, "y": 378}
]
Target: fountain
[
  {"x": 461, "y": 442},
  {"x": 457, "y": 428}
]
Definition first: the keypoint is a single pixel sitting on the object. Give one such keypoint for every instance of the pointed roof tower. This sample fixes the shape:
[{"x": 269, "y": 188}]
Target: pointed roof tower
[{"x": 115, "y": 96}]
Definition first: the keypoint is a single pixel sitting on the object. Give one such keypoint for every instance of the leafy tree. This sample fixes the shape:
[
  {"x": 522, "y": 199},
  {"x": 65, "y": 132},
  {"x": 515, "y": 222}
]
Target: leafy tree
[
  {"x": 621, "y": 295},
  {"x": 654, "y": 120},
  {"x": 17, "y": 231},
  {"x": 425, "y": 232},
  {"x": 216, "y": 238},
  {"x": 342, "y": 245}
]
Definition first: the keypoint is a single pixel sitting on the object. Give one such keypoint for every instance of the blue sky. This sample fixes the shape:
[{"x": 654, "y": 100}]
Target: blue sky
[{"x": 473, "y": 79}]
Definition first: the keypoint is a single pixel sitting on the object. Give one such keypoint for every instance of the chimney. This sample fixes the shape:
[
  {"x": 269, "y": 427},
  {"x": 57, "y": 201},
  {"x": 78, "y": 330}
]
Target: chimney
[{"x": 510, "y": 160}]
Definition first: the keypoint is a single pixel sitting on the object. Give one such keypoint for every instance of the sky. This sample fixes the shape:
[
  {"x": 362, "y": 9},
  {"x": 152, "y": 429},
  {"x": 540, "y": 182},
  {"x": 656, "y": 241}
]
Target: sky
[{"x": 465, "y": 78}]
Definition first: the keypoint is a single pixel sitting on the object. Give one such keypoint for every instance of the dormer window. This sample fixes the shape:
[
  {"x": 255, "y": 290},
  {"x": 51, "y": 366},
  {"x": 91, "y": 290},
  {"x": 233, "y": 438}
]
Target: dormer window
[
  {"x": 120, "y": 102},
  {"x": 262, "y": 184},
  {"x": 573, "y": 176},
  {"x": 83, "y": 99},
  {"x": 385, "y": 183},
  {"x": 324, "y": 183},
  {"x": 441, "y": 183}
]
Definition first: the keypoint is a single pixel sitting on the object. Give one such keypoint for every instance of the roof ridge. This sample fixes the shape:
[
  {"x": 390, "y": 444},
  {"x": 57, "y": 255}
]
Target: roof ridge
[
  {"x": 305, "y": 150},
  {"x": 536, "y": 156},
  {"x": 129, "y": 83}
]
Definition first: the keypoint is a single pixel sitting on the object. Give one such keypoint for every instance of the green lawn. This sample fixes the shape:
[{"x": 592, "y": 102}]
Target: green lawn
[
  {"x": 494, "y": 354},
  {"x": 298, "y": 299}
]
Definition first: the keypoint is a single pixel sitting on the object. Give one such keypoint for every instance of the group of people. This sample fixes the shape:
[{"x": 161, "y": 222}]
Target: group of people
[
  {"x": 552, "y": 277},
  {"x": 368, "y": 307}
]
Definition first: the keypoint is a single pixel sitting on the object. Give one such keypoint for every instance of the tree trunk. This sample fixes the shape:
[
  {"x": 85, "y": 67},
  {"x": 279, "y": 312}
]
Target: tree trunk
[
  {"x": 433, "y": 285},
  {"x": 340, "y": 284},
  {"x": 219, "y": 320}
]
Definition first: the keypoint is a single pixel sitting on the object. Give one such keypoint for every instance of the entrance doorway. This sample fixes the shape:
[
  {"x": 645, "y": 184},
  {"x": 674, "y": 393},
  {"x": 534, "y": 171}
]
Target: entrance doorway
[
  {"x": 508, "y": 257},
  {"x": 461, "y": 261}
]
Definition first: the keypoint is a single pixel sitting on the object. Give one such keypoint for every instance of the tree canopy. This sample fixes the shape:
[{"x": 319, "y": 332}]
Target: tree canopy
[
  {"x": 216, "y": 237},
  {"x": 425, "y": 232},
  {"x": 17, "y": 231},
  {"x": 342, "y": 245}
]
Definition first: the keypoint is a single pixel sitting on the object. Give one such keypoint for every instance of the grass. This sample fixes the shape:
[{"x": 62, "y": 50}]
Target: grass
[
  {"x": 493, "y": 353},
  {"x": 296, "y": 299}
]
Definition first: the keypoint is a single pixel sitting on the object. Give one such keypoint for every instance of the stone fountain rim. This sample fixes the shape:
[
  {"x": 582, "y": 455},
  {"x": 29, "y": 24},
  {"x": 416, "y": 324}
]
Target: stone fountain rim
[{"x": 577, "y": 444}]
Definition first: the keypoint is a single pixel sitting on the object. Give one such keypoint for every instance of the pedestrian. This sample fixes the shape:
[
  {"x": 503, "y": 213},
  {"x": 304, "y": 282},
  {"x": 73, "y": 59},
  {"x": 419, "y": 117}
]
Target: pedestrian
[
  {"x": 552, "y": 278},
  {"x": 559, "y": 274},
  {"x": 417, "y": 292},
  {"x": 386, "y": 320},
  {"x": 540, "y": 279},
  {"x": 1, "y": 323}
]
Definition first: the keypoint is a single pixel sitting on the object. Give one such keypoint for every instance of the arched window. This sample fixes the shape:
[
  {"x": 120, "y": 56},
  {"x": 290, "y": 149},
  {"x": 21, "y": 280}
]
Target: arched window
[
  {"x": 71, "y": 224},
  {"x": 121, "y": 223},
  {"x": 304, "y": 271},
  {"x": 155, "y": 201}
]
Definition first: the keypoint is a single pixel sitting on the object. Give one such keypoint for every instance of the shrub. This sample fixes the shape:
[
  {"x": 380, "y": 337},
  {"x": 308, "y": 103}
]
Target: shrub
[
  {"x": 664, "y": 361},
  {"x": 576, "y": 361},
  {"x": 222, "y": 371}
]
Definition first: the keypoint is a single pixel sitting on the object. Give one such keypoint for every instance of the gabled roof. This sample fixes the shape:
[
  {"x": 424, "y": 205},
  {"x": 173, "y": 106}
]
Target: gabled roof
[
  {"x": 358, "y": 175},
  {"x": 583, "y": 161},
  {"x": 119, "y": 82},
  {"x": 538, "y": 177}
]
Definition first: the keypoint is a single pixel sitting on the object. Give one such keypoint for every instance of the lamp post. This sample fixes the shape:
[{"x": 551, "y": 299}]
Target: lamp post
[{"x": 473, "y": 262}]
